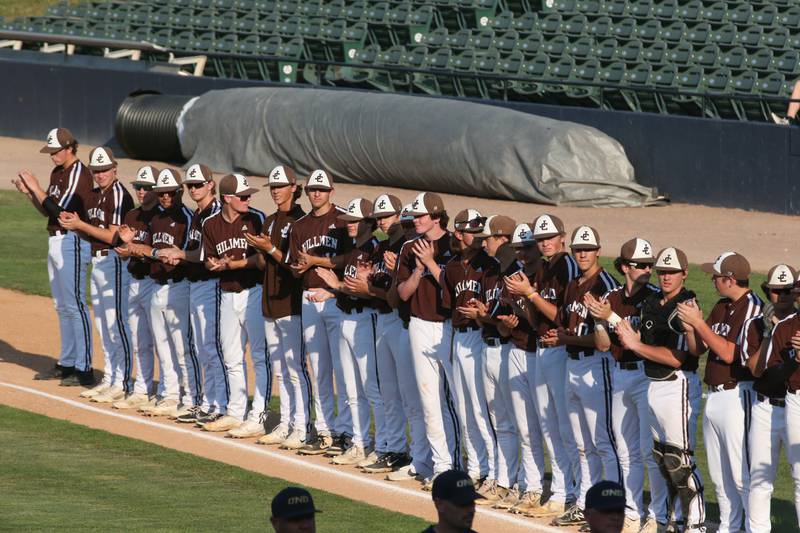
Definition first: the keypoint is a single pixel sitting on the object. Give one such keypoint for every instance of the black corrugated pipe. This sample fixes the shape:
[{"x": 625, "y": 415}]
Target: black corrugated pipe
[{"x": 146, "y": 125}]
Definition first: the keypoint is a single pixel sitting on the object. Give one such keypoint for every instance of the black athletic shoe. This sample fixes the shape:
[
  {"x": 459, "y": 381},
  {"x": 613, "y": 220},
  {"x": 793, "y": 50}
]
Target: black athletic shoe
[
  {"x": 319, "y": 445},
  {"x": 388, "y": 462},
  {"x": 205, "y": 418},
  {"x": 571, "y": 517},
  {"x": 57, "y": 372},
  {"x": 192, "y": 416},
  {"x": 79, "y": 378},
  {"x": 341, "y": 443}
]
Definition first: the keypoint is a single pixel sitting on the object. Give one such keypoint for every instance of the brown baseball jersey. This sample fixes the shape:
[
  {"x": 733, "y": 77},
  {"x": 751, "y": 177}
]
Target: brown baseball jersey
[
  {"x": 726, "y": 320},
  {"x": 222, "y": 238},
  {"x": 71, "y": 188},
  {"x": 464, "y": 282},
  {"x": 574, "y": 317},
  {"x": 523, "y": 336},
  {"x": 381, "y": 277},
  {"x": 108, "y": 208},
  {"x": 771, "y": 383},
  {"x": 282, "y": 294},
  {"x": 551, "y": 281},
  {"x": 656, "y": 332},
  {"x": 427, "y": 302},
  {"x": 198, "y": 271},
  {"x": 492, "y": 288},
  {"x": 627, "y": 308},
  {"x": 169, "y": 227},
  {"x": 780, "y": 351},
  {"x": 363, "y": 253},
  {"x": 139, "y": 220},
  {"x": 322, "y": 236}
]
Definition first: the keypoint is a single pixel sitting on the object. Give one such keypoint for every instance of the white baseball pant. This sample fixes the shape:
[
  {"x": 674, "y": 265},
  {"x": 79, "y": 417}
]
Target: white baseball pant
[
  {"x": 204, "y": 300},
  {"x": 361, "y": 380},
  {"x": 589, "y": 393},
  {"x": 430, "y": 352},
  {"x": 321, "y": 323},
  {"x": 523, "y": 407},
  {"x": 242, "y": 323},
  {"x": 674, "y": 409},
  {"x": 767, "y": 433},
  {"x": 631, "y": 420},
  {"x": 549, "y": 380},
  {"x": 726, "y": 424},
  {"x": 169, "y": 319},
  {"x": 497, "y": 386},
  {"x": 286, "y": 352},
  {"x": 401, "y": 396},
  {"x": 139, "y": 293},
  {"x": 793, "y": 446},
  {"x": 109, "y": 293},
  {"x": 471, "y": 406},
  {"x": 67, "y": 259}
]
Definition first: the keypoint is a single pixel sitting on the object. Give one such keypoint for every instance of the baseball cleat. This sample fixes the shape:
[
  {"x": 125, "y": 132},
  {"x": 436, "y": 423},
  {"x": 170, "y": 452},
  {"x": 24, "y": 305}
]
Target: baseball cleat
[
  {"x": 110, "y": 396},
  {"x": 649, "y": 525},
  {"x": 163, "y": 408},
  {"x": 368, "y": 460},
  {"x": 57, "y": 372},
  {"x": 131, "y": 401},
  {"x": 352, "y": 456},
  {"x": 631, "y": 525},
  {"x": 294, "y": 441},
  {"x": 341, "y": 443},
  {"x": 276, "y": 436},
  {"x": 190, "y": 415},
  {"x": 248, "y": 429},
  {"x": 571, "y": 517},
  {"x": 511, "y": 499},
  {"x": 528, "y": 501},
  {"x": 224, "y": 423},
  {"x": 317, "y": 446},
  {"x": 145, "y": 409},
  {"x": 94, "y": 391},
  {"x": 403, "y": 473},
  {"x": 543, "y": 510},
  {"x": 491, "y": 492},
  {"x": 205, "y": 418},
  {"x": 388, "y": 462}
]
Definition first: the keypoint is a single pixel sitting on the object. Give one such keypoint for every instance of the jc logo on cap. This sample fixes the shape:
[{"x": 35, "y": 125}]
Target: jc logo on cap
[
  {"x": 99, "y": 157},
  {"x": 667, "y": 260},
  {"x": 646, "y": 249},
  {"x": 543, "y": 225},
  {"x": 143, "y": 175},
  {"x": 193, "y": 172},
  {"x": 352, "y": 208},
  {"x": 782, "y": 276},
  {"x": 276, "y": 174},
  {"x": 165, "y": 179},
  {"x": 382, "y": 204}
]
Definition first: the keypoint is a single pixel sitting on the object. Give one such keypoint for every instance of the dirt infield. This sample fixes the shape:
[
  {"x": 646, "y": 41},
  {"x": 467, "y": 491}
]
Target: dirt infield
[{"x": 702, "y": 232}]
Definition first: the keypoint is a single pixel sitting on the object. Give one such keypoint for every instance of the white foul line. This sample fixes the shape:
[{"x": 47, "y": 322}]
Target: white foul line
[{"x": 506, "y": 517}]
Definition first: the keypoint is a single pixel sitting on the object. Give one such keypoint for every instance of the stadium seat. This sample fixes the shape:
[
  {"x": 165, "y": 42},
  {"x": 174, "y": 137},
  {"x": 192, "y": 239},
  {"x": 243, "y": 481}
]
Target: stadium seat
[
  {"x": 582, "y": 48},
  {"x": 765, "y": 15},
  {"x": 699, "y": 34},
  {"x": 715, "y": 13},
  {"x": 790, "y": 18},
  {"x": 574, "y": 25},
  {"x": 429, "y": 82},
  {"x": 759, "y": 60},
  {"x": 483, "y": 40},
  {"x": 588, "y": 7},
  {"x": 639, "y": 9},
  {"x": 526, "y": 23},
  {"x": 623, "y": 29},
  {"x": 506, "y": 42},
  {"x": 613, "y": 8},
  {"x": 740, "y": 14},
  {"x": 532, "y": 44},
  {"x": 750, "y": 37},
  {"x": 724, "y": 35},
  {"x": 681, "y": 54},
  {"x": 648, "y": 31},
  {"x": 556, "y": 46},
  {"x": 665, "y": 9},
  {"x": 461, "y": 40},
  {"x": 419, "y": 22},
  {"x": 785, "y": 61},
  {"x": 550, "y": 24},
  {"x": 437, "y": 38},
  {"x": 691, "y": 11},
  {"x": 601, "y": 27},
  {"x": 630, "y": 52},
  {"x": 706, "y": 56},
  {"x": 655, "y": 53},
  {"x": 606, "y": 49},
  {"x": 673, "y": 32},
  {"x": 775, "y": 38},
  {"x": 501, "y": 23},
  {"x": 734, "y": 58}
]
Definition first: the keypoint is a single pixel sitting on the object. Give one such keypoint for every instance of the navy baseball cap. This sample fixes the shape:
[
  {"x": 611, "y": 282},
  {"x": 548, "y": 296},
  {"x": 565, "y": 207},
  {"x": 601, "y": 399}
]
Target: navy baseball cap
[
  {"x": 606, "y": 496},
  {"x": 292, "y": 502},
  {"x": 456, "y": 487}
]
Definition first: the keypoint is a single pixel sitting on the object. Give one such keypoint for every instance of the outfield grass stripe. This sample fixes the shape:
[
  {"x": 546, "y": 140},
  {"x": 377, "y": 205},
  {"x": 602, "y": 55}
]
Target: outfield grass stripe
[{"x": 354, "y": 478}]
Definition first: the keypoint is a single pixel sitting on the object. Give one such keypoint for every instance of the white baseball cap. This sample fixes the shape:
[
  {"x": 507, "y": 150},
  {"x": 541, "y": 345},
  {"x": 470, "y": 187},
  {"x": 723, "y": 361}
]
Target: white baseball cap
[
  {"x": 235, "y": 185},
  {"x": 584, "y": 238},
  {"x": 197, "y": 173},
  {"x": 637, "y": 250},
  {"x": 427, "y": 203},
  {"x": 781, "y": 277},
  {"x": 671, "y": 259},
  {"x": 319, "y": 179},
  {"x": 281, "y": 176},
  {"x": 146, "y": 175},
  {"x": 386, "y": 205},
  {"x": 357, "y": 209},
  {"x": 546, "y": 226},
  {"x": 167, "y": 181},
  {"x": 57, "y": 140},
  {"x": 100, "y": 159},
  {"x": 522, "y": 236}
]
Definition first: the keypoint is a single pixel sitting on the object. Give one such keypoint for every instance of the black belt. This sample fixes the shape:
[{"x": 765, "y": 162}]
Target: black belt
[
  {"x": 628, "y": 365},
  {"x": 167, "y": 281},
  {"x": 466, "y": 329},
  {"x": 57, "y": 232},
  {"x": 725, "y": 386},
  {"x": 495, "y": 342},
  {"x": 777, "y": 402},
  {"x": 384, "y": 311},
  {"x": 138, "y": 277},
  {"x": 577, "y": 356},
  {"x": 354, "y": 310}
]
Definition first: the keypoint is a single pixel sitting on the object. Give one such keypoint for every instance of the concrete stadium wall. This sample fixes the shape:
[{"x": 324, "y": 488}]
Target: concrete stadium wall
[{"x": 712, "y": 162}]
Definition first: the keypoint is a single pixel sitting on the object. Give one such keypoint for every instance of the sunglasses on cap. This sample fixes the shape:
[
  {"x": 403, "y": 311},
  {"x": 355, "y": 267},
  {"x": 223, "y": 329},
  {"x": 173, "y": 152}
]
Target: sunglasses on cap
[
  {"x": 138, "y": 187},
  {"x": 640, "y": 266},
  {"x": 195, "y": 185},
  {"x": 472, "y": 224}
]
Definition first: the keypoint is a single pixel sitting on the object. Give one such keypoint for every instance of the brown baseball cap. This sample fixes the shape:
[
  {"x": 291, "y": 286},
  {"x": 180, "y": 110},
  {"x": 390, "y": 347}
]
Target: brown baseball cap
[
  {"x": 198, "y": 173},
  {"x": 319, "y": 180},
  {"x": 281, "y": 176},
  {"x": 522, "y": 236},
  {"x": 57, "y": 140},
  {"x": 386, "y": 205},
  {"x": 781, "y": 277},
  {"x": 101, "y": 159},
  {"x": 358, "y": 209},
  {"x": 671, "y": 259},
  {"x": 427, "y": 203},
  {"x": 729, "y": 264},
  {"x": 637, "y": 250},
  {"x": 235, "y": 185},
  {"x": 168, "y": 180},
  {"x": 584, "y": 238},
  {"x": 498, "y": 225},
  {"x": 469, "y": 221},
  {"x": 546, "y": 226},
  {"x": 146, "y": 175}
]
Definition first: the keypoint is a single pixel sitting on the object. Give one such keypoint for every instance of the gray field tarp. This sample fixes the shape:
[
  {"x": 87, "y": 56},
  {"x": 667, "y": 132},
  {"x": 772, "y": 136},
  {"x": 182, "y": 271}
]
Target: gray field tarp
[{"x": 417, "y": 143}]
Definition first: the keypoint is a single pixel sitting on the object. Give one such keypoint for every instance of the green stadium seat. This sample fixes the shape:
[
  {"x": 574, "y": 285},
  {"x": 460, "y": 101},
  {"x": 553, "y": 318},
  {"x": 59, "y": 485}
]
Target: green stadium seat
[
  {"x": 613, "y": 74},
  {"x": 606, "y": 49},
  {"x": 430, "y": 82},
  {"x": 760, "y": 59},
  {"x": 665, "y": 9},
  {"x": 673, "y": 32},
  {"x": 715, "y": 13},
  {"x": 735, "y": 58},
  {"x": 311, "y": 9},
  {"x": 706, "y": 56},
  {"x": 162, "y": 17},
  {"x": 681, "y": 54},
  {"x": 785, "y": 61},
  {"x": 794, "y": 42},
  {"x": 589, "y": 7},
  {"x": 437, "y": 38},
  {"x": 550, "y": 24},
  {"x": 288, "y": 27},
  {"x": 526, "y": 23},
  {"x": 689, "y": 80},
  {"x": 601, "y": 27},
  {"x": 613, "y": 8},
  {"x": 537, "y": 66},
  {"x": 476, "y": 13},
  {"x": 562, "y": 6},
  {"x": 377, "y": 19},
  {"x": 507, "y": 42},
  {"x": 584, "y": 95},
  {"x": 517, "y": 6},
  {"x": 532, "y": 44},
  {"x": 718, "y": 80},
  {"x": 509, "y": 66},
  {"x": 582, "y": 48},
  {"x": 466, "y": 86},
  {"x": 247, "y": 23},
  {"x": 640, "y": 9},
  {"x": 655, "y": 53},
  {"x": 313, "y": 39},
  {"x": 790, "y": 18},
  {"x": 766, "y": 15},
  {"x": 332, "y": 35},
  {"x": 556, "y": 46},
  {"x": 648, "y": 30},
  {"x": 288, "y": 8},
  {"x": 460, "y": 40},
  {"x": 629, "y": 52},
  {"x": 503, "y": 22},
  {"x": 483, "y": 40},
  {"x": 354, "y": 39},
  {"x": 419, "y": 22},
  {"x": 750, "y": 37},
  {"x": 637, "y": 76},
  {"x": 267, "y": 25},
  {"x": 450, "y": 15},
  {"x": 354, "y": 12},
  {"x": 699, "y": 33},
  {"x": 740, "y": 14},
  {"x": 386, "y": 80},
  {"x": 691, "y": 11},
  {"x": 775, "y": 37},
  {"x": 333, "y": 9},
  {"x": 288, "y": 69},
  {"x": 725, "y": 35},
  {"x": 574, "y": 25}
]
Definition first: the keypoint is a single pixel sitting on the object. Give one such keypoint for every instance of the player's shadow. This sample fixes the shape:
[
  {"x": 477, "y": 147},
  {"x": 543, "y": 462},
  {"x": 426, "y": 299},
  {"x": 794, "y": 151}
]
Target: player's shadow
[{"x": 34, "y": 361}]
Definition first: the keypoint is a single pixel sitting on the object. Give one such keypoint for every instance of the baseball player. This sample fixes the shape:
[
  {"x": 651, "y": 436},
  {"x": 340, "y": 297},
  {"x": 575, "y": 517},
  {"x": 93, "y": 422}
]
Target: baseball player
[
  {"x": 630, "y": 412},
  {"x": 67, "y": 255},
  {"x": 314, "y": 239},
  {"x": 357, "y": 337},
  {"x": 226, "y": 251},
  {"x": 420, "y": 272},
  {"x": 180, "y": 379},
  {"x": 463, "y": 285},
  {"x": 674, "y": 393},
  {"x": 140, "y": 289},
  {"x": 768, "y": 415},
  {"x": 204, "y": 300},
  {"x": 401, "y": 398},
  {"x": 589, "y": 380},
  {"x": 546, "y": 293},
  {"x": 109, "y": 280},
  {"x": 516, "y": 374},
  {"x": 726, "y": 423},
  {"x": 281, "y": 306}
]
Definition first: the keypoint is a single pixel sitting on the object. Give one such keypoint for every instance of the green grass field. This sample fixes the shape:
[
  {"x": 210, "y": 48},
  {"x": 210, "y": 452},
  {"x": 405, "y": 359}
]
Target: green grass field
[
  {"x": 55, "y": 475},
  {"x": 22, "y": 267},
  {"x": 26, "y": 8}
]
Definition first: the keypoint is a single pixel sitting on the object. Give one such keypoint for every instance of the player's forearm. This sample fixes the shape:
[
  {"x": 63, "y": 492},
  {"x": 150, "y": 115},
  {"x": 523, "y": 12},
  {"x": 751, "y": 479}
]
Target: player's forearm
[
  {"x": 407, "y": 288},
  {"x": 709, "y": 340},
  {"x": 602, "y": 341},
  {"x": 660, "y": 354},
  {"x": 106, "y": 235},
  {"x": 546, "y": 308},
  {"x": 586, "y": 341}
]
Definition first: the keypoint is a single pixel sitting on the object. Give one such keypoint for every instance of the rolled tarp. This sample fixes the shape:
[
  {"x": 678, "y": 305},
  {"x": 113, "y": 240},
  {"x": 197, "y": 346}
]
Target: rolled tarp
[{"x": 419, "y": 143}]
